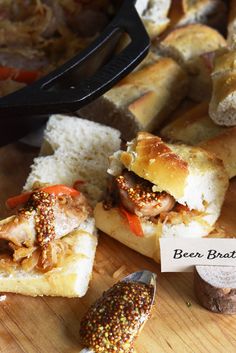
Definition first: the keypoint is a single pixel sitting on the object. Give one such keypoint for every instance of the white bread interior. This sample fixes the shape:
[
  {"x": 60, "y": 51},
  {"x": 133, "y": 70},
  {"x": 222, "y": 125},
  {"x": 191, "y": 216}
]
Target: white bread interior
[
  {"x": 69, "y": 279},
  {"x": 187, "y": 45},
  {"x": 73, "y": 149},
  {"x": 142, "y": 100},
  {"x": 154, "y": 15}
]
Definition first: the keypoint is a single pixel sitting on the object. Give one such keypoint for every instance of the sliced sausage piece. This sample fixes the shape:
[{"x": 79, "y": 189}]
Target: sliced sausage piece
[{"x": 137, "y": 197}]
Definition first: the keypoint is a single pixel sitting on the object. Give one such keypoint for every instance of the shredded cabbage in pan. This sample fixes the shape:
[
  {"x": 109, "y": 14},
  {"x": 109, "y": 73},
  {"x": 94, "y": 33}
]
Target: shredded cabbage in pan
[{"x": 36, "y": 36}]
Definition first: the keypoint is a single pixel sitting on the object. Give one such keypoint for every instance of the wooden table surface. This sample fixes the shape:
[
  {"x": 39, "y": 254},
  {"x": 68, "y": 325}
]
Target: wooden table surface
[{"x": 50, "y": 325}]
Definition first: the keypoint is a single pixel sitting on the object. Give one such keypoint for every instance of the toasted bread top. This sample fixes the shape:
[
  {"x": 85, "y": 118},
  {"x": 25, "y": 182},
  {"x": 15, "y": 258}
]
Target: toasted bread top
[{"x": 193, "y": 40}]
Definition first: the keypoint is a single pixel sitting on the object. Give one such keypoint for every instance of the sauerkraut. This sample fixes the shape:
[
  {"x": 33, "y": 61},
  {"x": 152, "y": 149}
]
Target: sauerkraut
[{"x": 40, "y": 35}]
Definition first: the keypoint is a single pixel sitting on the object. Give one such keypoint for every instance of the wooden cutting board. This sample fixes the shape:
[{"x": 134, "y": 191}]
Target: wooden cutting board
[{"x": 51, "y": 325}]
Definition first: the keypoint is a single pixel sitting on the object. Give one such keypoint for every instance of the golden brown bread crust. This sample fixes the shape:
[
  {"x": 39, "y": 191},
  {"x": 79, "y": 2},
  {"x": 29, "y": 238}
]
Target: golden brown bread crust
[
  {"x": 224, "y": 85},
  {"x": 224, "y": 61},
  {"x": 224, "y": 147},
  {"x": 231, "y": 37},
  {"x": 147, "y": 75},
  {"x": 222, "y": 105},
  {"x": 210, "y": 12},
  {"x": 142, "y": 100},
  {"x": 193, "y": 40},
  {"x": 154, "y": 29},
  {"x": 156, "y": 162},
  {"x": 192, "y": 127},
  {"x": 190, "y": 47},
  {"x": 222, "y": 108}
]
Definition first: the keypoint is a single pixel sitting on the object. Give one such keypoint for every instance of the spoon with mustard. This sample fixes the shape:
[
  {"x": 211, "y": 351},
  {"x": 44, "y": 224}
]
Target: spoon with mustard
[{"x": 114, "y": 321}]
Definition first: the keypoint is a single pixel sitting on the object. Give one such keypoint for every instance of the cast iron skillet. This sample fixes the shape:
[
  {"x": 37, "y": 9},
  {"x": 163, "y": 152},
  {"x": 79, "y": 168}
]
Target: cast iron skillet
[{"x": 76, "y": 83}]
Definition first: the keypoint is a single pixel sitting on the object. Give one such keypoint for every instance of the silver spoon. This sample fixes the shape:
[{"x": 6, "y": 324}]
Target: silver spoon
[{"x": 146, "y": 277}]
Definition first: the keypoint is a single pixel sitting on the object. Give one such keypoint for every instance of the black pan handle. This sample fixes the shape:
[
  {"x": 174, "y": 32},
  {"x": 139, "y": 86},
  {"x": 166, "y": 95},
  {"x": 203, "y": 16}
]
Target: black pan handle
[{"x": 70, "y": 87}]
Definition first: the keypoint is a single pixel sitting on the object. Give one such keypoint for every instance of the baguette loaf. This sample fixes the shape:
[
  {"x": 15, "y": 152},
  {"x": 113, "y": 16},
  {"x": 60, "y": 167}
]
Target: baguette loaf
[
  {"x": 190, "y": 47},
  {"x": 142, "y": 100}
]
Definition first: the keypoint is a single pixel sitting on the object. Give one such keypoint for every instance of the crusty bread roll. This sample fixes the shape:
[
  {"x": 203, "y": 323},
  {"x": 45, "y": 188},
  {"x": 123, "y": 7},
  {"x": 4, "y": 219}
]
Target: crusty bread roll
[
  {"x": 193, "y": 177},
  {"x": 142, "y": 100},
  {"x": 209, "y": 12},
  {"x": 231, "y": 35},
  {"x": 154, "y": 15},
  {"x": 222, "y": 108},
  {"x": 191, "y": 46}
]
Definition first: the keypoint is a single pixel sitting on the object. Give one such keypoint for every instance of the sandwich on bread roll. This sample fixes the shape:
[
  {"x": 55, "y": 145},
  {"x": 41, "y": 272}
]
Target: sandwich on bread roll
[
  {"x": 48, "y": 246},
  {"x": 161, "y": 190},
  {"x": 222, "y": 108},
  {"x": 193, "y": 47}
]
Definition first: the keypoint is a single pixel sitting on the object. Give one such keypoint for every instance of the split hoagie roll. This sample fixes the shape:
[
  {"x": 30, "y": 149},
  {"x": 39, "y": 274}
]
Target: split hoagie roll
[{"x": 161, "y": 190}]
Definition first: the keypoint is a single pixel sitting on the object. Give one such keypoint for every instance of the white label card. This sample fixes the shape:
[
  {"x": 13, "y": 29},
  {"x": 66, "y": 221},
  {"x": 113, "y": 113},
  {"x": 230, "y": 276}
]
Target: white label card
[{"x": 182, "y": 254}]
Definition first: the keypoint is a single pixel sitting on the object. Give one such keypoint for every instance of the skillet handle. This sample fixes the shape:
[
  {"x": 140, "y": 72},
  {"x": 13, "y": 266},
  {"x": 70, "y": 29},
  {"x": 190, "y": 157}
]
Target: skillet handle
[{"x": 60, "y": 92}]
